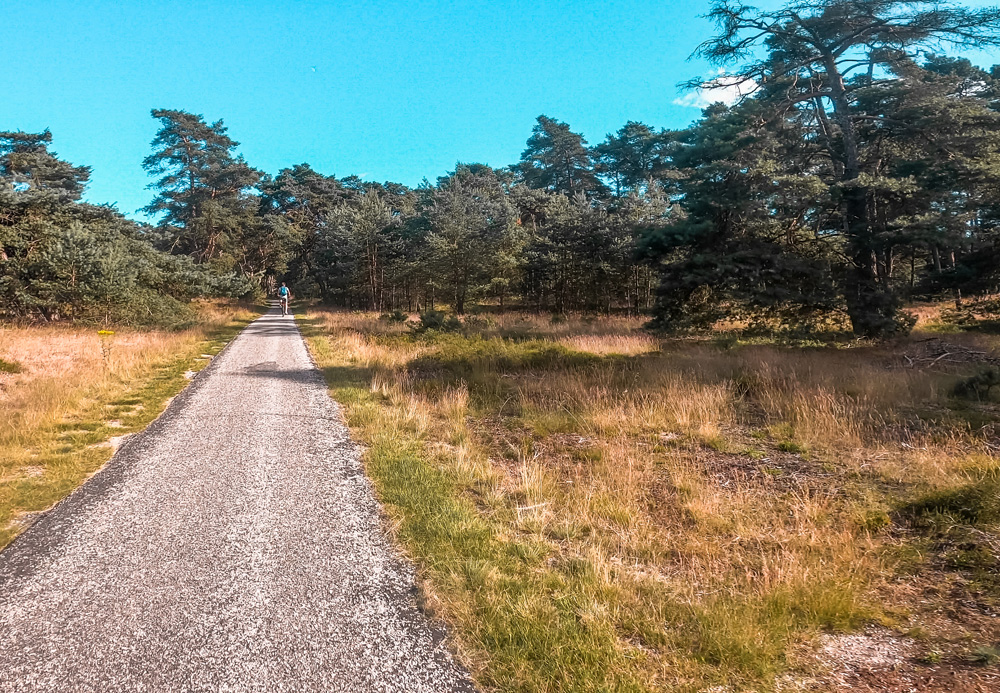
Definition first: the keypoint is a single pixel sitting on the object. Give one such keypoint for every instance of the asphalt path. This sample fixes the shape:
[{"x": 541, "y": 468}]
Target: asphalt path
[{"x": 235, "y": 545}]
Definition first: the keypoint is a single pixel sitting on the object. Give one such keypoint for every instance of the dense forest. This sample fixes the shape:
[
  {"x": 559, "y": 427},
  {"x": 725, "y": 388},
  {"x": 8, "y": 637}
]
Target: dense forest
[{"x": 860, "y": 170}]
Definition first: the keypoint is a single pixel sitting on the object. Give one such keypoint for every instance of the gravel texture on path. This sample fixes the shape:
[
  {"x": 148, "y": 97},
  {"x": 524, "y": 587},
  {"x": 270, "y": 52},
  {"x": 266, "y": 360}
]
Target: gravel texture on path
[{"x": 235, "y": 545}]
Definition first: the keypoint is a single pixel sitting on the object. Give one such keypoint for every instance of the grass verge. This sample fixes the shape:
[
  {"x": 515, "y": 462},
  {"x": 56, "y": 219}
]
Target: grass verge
[{"x": 519, "y": 618}]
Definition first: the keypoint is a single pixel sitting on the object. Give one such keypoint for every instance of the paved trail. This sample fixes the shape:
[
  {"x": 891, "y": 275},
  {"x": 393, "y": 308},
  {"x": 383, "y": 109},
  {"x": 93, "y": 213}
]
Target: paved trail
[{"x": 233, "y": 546}]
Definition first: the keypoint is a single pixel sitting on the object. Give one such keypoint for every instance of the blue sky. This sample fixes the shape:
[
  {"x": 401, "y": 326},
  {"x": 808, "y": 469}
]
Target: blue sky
[{"x": 386, "y": 90}]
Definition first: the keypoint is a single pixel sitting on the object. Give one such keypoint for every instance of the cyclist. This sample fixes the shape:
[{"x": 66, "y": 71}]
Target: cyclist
[{"x": 283, "y": 295}]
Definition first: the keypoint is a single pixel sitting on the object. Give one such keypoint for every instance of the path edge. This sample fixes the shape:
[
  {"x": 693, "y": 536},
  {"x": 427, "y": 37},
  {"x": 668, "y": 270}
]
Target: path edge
[{"x": 44, "y": 536}]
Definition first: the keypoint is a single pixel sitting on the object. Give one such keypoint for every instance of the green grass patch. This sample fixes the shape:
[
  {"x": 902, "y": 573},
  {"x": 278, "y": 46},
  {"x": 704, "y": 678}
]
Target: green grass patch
[
  {"x": 972, "y": 504},
  {"x": 10, "y": 366}
]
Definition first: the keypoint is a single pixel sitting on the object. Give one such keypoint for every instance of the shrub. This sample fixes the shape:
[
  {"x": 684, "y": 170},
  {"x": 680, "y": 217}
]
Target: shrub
[
  {"x": 102, "y": 270},
  {"x": 438, "y": 320},
  {"x": 791, "y": 446},
  {"x": 985, "y": 655},
  {"x": 476, "y": 322},
  {"x": 959, "y": 317},
  {"x": 978, "y": 386},
  {"x": 395, "y": 316}
]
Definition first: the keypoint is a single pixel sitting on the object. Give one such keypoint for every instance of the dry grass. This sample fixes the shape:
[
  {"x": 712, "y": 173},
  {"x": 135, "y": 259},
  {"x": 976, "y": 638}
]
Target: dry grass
[
  {"x": 692, "y": 515},
  {"x": 623, "y": 344},
  {"x": 75, "y": 389}
]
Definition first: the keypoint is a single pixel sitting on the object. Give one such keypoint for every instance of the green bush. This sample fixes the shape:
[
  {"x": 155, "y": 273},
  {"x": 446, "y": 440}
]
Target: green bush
[
  {"x": 438, "y": 320},
  {"x": 959, "y": 317},
  {"x": 103, "y": 271},
  {"x": 478, "y": 323}
]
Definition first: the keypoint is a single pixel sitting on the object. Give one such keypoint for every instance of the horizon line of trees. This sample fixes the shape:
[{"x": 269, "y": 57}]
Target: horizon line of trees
[{"x": 861, "y": 171}]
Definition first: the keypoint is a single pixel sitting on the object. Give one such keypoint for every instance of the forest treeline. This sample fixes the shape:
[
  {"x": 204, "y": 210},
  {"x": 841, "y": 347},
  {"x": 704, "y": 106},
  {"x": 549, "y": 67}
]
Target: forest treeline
[{"x": 860, "y": 170}]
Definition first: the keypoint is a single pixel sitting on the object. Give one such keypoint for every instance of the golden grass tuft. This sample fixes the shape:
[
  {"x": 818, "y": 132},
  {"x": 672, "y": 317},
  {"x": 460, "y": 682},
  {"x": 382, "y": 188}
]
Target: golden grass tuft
[{"x": 603, "y": 345}]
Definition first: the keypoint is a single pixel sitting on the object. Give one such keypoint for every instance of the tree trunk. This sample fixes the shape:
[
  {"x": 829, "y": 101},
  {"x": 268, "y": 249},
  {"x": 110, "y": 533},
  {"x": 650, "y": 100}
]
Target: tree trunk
[
  {"x": 870, "y": 305},
  {"x": 373, "y": 277}
]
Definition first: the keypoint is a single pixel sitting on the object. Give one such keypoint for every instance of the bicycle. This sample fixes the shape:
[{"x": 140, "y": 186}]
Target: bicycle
[{"x": 284, "y": 305}]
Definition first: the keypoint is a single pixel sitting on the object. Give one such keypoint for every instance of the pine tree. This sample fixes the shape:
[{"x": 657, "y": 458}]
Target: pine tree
[
  {"x": 203, "y": 186},
  {"x": 473, "y": 241},
  {"x": 634, "y": 156},
  {"x": 27, "y": 167},
  {"x": 557, "y": 159},
  {"x": 743, "y": 247},
  {"x": 822, "y": 56},
  {"x": 63, "y": 259},
  {"x": 307, "y": 202}
]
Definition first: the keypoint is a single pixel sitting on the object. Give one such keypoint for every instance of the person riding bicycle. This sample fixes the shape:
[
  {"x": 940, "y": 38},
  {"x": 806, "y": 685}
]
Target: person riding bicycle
[{"x": 283, "y": 295}]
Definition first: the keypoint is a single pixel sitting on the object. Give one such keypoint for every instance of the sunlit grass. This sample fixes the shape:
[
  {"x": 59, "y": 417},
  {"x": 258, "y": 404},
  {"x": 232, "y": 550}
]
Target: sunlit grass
[{"x": 595, "y": 510}]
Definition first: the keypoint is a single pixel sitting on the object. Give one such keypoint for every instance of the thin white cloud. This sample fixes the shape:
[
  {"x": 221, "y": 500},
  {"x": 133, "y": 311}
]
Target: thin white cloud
[{"x": 725, "y": 88}]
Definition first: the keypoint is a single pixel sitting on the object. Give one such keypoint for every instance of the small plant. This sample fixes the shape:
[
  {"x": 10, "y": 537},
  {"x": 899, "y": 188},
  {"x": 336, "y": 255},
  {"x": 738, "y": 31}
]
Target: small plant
[
  {"x": 931, "y": 657},
  {"x": 715, "y": 442},
  {"x": 106, "y": 337},
  {"x": 985, "y": 655},
  {"x": 589, "y": 454},
  {"x": 791, "y": 446},
  {"x": 10, "y": 366},
  {"x": 876, "y": 520}
]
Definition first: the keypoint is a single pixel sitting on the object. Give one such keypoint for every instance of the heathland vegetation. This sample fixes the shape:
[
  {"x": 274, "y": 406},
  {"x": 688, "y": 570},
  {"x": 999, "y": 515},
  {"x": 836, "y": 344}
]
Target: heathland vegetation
[
  {"x": 595, "y": 508},
  {"x": 647, "y": 413}
]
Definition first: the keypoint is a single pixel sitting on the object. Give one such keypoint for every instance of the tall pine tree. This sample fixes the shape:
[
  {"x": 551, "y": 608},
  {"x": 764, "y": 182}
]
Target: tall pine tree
[{"x": 203, "y": 186}]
